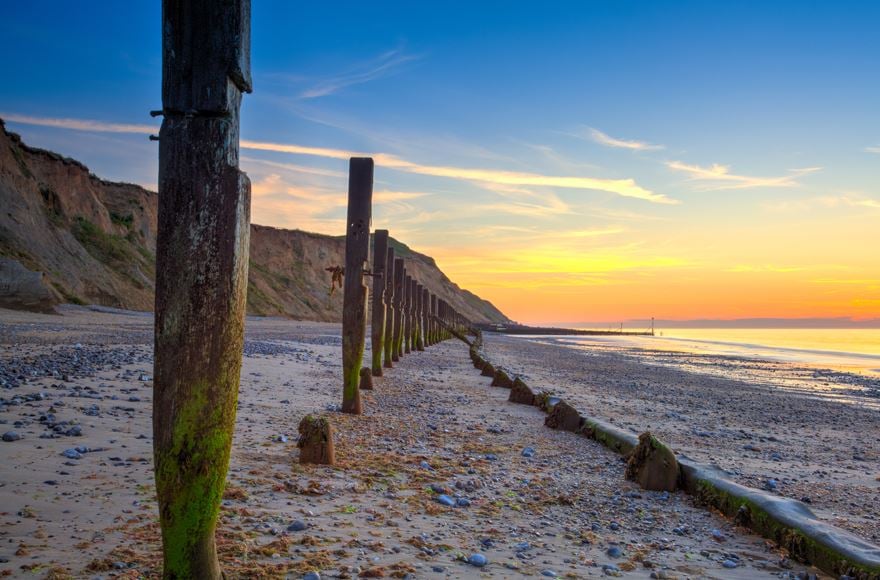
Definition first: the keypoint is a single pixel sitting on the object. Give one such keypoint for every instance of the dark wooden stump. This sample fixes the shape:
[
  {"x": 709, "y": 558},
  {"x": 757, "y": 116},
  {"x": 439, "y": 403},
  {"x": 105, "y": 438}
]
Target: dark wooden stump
[
  {"x": 354, "y": 301},
  {"x": 377, "y": 324},
  {"x": 564, "y": 417},
  {"x": 388, "y": 346},
  {"x": 521, "y": 393},
  {"x": 201, "y": 273},
  {"x": 316, "y": 441},
  {"x": 653, "y": 465}
]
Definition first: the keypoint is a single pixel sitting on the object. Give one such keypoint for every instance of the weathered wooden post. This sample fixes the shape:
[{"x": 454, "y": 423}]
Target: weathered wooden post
[
  {"x": 377, "y": 326},
  {"x": 425, "y": 318},
  {"x": 389, "y": 308},
  {"x": 407, "y": 313},
  {"x": 420, "y": 317},
  {"x": 201, "y": 275},
  {"x": 399, "y": 279},
  {"x": 354, "y": 300},
  {"x": 432, "y": 313}
]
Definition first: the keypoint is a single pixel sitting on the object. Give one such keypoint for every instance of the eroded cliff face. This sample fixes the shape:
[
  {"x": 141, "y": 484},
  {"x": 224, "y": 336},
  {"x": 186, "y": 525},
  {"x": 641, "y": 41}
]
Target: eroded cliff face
[{"x": 84, "y": 240}]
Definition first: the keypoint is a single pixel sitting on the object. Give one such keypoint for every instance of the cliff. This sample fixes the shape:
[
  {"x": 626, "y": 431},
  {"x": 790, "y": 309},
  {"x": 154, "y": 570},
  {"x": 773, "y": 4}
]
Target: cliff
[{"x": 68, "y": 236}]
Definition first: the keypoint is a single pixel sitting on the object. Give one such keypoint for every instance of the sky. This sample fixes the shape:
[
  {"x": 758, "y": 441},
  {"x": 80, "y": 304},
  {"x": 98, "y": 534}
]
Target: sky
[{"x": 570, "y": 161}]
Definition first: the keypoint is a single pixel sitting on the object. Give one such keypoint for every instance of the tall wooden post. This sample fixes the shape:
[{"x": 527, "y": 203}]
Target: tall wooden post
[
  {"x": 201, "y": 274},
  {"x": 377, "y": 326},
  {"x": 407, "y": 319},
  {"x": 389, "y": 308},
  {"x": 399, "y": 279},
  {"x": 354, "y": 300},
  {"x": 432, "y": 309},
  {"x": 425, "y": 338},
  {"x": 420, "y": 328}
]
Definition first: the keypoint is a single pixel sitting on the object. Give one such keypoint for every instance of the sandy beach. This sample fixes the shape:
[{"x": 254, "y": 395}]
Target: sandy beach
[{"x": 81, "y": 502}]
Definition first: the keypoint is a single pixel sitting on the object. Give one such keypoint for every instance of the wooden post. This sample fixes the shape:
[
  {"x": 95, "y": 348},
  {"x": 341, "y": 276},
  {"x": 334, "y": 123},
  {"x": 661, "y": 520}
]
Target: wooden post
[
  {"x": 354, "y": 300},
  {"x": 201, "y": 275},
  {"x": 432, "y": 313},
  {"x": 377, "y": 326},
  {"x": 425, "y": 321},
  {"x": 389, "y": 309},
  {"x": 407, "y": 318},
  {"x": 399, "y": 279},
  {"x": 420, "y": 317}
]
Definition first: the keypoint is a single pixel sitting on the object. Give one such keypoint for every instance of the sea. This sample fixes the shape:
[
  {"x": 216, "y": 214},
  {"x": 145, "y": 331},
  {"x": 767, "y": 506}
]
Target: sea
[{"x": 832, "y": 363}]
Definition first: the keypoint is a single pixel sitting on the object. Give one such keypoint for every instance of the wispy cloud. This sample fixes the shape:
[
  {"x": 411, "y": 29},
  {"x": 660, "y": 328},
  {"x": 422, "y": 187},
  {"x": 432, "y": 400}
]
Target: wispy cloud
[
  {"x": 622, "y": 187},
  {"x": 79, "y": 124},
  {"x": 823, "y": 201},
  {"x": 609, "y": 141},
  {"x": 872, "y": 149},
  {"x": 719, "y": 176},
  {"x": 384, "y": 65}
]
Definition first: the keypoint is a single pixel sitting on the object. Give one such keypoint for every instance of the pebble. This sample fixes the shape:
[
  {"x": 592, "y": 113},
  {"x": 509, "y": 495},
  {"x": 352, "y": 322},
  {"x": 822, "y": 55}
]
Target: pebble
[
  {"x": 614, "y": 552},
  {"x": 297, "y": 526},
  {"x": 311, "y": 576},
  {"x": 10, "y": 436},
  {"x": 71, "y": 454},
  {"x": 548, "y": 573},
  {"x": 528, "y": 452},
  {"x": 729, "y": 564},
  {"x": 444, "y": 499},
  {"x": 477, "y": 560}
]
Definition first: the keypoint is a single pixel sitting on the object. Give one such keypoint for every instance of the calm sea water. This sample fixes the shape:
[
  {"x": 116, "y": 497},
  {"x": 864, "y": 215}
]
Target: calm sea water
[{"x": 853, "y": 349}]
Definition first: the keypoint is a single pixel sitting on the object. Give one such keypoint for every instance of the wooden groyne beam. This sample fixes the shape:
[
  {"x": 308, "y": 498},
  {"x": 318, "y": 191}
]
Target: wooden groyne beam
[{"x": 399, "y": 279}]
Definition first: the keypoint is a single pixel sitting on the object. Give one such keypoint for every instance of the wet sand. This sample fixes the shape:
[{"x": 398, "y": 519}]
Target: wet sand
[{"x": 432, "y": 427}]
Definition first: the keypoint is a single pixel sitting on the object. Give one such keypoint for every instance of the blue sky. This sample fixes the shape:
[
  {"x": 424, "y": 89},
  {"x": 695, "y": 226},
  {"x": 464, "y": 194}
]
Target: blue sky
[{"x": 698, "y": 134}]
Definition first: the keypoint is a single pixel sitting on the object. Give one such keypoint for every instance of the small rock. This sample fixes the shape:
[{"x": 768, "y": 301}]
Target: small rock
[
  {"x": 444, "y": 499},
  {"x": 71, "y": 454},
  {"x": 548, "y": 573},
  {"x": 614, "y": 552},
  {"x": 10, "y": 436},
  {"x": 528, "y": 452},
  {"x": 729, "y": 564},
  {"x": 477, "y": 560},
  {"x": 297, "y": 526},
  {"x": 311, "y": 576}
]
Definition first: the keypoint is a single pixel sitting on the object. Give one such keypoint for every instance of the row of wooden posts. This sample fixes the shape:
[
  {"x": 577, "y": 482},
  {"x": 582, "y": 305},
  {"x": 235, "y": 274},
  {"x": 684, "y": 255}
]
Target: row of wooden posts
[
  {"x": 406, "y": 315},
  {"x": 202, "y": 247}
]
